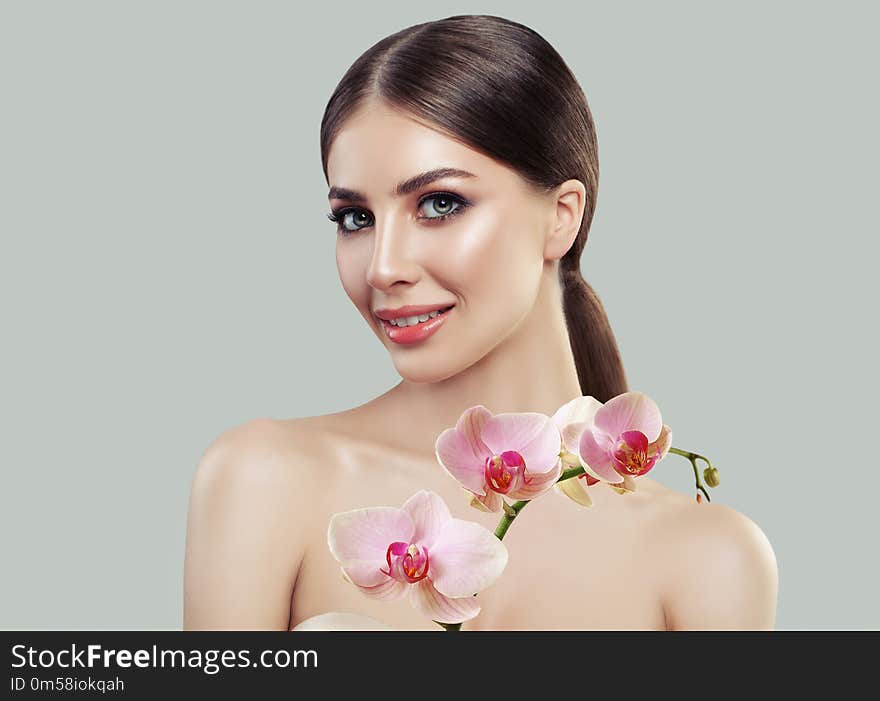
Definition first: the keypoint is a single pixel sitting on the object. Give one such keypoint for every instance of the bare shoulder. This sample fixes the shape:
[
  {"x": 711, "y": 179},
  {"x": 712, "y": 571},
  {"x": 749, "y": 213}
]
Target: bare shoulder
[
  {"x": 293, "y": 456},
  {"x": 248, "y": 525},
  {"x": 721, "y": 571},
  {"x": 261, "y": 451}
]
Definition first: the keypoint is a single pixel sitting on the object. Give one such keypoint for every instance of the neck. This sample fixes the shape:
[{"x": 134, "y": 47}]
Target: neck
[{"x": 531, "y": 370}]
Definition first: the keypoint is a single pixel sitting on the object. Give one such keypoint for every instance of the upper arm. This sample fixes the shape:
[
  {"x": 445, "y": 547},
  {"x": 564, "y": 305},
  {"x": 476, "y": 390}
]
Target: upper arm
[
  {"x": 726, "y": 576},
  {"x": 244, "y": 536}
]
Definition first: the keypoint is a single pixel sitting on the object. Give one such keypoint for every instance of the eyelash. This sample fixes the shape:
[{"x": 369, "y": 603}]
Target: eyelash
[{"x": 338, "y": 215}]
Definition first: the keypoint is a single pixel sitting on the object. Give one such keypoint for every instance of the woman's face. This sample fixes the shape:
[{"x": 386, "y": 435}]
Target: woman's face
[{"x": 474, "y": 243}]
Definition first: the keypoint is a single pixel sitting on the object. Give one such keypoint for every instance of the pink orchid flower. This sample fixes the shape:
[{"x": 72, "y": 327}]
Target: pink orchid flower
[
  {"x": 615, "y": 442},
  {"x": 443, "y": 562},
  {"x": 571, "y": 419},
  {"x": 513, "y": 454}
]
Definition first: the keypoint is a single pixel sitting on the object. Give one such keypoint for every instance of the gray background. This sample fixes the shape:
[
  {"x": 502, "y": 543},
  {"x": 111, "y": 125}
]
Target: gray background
[{"x": 165, "y": 255}]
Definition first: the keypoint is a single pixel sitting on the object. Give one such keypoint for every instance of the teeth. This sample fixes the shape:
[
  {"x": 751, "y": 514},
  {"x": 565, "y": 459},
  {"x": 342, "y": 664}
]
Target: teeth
[{"x": 412, "y": 320}]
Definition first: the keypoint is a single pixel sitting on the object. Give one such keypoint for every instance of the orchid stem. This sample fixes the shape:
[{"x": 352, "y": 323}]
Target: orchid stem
[
  {"x": 510, "y": 512},
  {"x": 693, "y": 457},
  {"x": 571, "y": 472}
]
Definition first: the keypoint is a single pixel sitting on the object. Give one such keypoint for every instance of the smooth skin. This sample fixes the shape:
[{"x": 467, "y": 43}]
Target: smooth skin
[{"x": 264, "y": 492}]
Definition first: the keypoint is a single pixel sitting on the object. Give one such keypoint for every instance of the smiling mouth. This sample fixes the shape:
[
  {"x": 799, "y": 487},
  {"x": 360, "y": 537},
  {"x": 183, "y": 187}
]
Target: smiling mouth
[{"x": 406, "y": 321}]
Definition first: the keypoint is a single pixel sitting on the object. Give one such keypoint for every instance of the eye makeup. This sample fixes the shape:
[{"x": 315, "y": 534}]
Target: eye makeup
[{"x": 340, "y": 214}]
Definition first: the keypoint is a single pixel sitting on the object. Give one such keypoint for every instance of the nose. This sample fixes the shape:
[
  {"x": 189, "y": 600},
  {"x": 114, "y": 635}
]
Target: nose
[{"x": 392, "y": 261}]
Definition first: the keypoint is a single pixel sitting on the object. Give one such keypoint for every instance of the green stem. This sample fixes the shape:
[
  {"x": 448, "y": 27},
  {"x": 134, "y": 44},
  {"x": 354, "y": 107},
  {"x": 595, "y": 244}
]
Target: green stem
[
  {"x": 571, "y": 472},
  {"x": 693, "y": 457},
  {"x": 508, "y": 517}
]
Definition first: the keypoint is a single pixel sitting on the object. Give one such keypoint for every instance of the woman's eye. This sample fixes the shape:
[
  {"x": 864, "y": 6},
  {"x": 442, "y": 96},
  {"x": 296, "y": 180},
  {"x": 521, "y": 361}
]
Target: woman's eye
[
  {"x": 354, "y": 219},
  {"x": 442, "y": 205},
  {"x": 437, "y": 206}
]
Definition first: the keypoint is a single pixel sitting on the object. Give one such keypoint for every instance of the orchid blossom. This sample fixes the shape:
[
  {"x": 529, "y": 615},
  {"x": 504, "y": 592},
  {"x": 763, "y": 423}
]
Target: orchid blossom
[
  {"x": 614, "y": 442},
  {"x": 420, "y": 549},
  {"x": 443, "y": 562},
  {"x": 492, "y": 456}
]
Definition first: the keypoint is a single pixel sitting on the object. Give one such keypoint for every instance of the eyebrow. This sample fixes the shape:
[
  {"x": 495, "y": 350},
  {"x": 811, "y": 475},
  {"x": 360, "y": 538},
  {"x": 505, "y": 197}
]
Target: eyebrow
[{"x": 404, "y": 188}]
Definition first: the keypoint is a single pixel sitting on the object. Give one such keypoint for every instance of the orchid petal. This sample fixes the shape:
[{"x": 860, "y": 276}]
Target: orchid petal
[
  {"x": 471, "y": 423},
  {"x": 365, "y": 573},
  {"x": 440, "y": 608},
  {"x": 662, "y": 444},
  {"x": 578, "y": 410},
  {"x": 466, "y": 558},
  {"x": 595, "y": 456},
  {"x": 429, "y": 515},
  {"x": 461, "y": 451},
  {"x": 538, "y": 483},
  {"x": 627, "y": 412},
  {"x": 389, "y": 590},
  {"x": 365, "y": 534},
  {"x": 571, "y": 435},
  {"x": 532, "y": 435},
  {"x": 491, "y": 501},
  {"x": 576, "y": 490}
]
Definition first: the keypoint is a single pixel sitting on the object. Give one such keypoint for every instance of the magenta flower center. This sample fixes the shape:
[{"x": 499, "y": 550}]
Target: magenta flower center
[
  {"x": 407, "y": 562},
  {"x": 631, "y": 454},
  {"x": 506, "y": 472}
]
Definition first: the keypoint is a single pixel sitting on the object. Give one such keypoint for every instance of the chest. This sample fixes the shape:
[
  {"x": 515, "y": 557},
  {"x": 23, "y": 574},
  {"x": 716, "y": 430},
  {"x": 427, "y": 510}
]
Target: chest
[{"x": 569, "y": 567}]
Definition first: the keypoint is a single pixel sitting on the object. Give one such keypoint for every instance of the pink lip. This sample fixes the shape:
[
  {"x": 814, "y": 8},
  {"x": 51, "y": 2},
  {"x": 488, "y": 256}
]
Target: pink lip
[
  {"x": 409, "y": 310},
  {"x": 407, "y": 335}
]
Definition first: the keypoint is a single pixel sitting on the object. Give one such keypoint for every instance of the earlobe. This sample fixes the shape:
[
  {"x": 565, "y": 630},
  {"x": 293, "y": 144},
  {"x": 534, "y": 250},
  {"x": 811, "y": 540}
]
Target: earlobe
[{"x": 570, "y": 200}]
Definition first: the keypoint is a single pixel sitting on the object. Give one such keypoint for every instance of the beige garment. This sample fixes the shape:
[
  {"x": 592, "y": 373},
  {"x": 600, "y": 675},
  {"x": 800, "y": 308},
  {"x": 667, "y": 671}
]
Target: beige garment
[{"x": 335, "y": 620}]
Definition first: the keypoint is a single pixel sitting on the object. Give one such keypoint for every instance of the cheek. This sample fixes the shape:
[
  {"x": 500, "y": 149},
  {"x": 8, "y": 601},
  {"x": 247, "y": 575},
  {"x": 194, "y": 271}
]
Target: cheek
[
  {"x": 352, "y": 262},
  {"x": 496, "y": 263}
]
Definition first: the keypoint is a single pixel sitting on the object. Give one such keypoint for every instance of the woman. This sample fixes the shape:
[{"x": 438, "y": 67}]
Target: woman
[{"x": 463, "y": 170}]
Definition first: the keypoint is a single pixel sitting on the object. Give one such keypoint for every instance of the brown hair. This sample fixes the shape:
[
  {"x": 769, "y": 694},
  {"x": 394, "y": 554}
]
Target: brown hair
[{"x": 503, "y": 90}]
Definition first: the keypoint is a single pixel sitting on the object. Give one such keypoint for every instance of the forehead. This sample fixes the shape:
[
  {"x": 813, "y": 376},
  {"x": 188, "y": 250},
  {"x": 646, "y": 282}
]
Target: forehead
[{"x": 378, "y": 147}]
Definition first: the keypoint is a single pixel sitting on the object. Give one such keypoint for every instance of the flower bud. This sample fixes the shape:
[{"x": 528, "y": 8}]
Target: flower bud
[
  {"x": 575, "y": 491},
  {"x": 570, "y": 459},
  {"x": 710, "y": 474}
]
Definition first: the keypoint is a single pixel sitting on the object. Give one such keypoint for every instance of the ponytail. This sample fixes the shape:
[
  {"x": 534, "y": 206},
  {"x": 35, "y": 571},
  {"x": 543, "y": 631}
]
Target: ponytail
[{"x": 596, "y": 356}]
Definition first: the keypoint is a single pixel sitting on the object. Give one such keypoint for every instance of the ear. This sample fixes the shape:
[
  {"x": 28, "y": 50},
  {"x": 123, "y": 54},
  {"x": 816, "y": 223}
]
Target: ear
[{"x": 567, "y": 212}]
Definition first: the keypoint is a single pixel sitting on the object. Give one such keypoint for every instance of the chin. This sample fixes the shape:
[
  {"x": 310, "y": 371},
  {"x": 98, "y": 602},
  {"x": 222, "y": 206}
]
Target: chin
[
  {"x": 422, "y": 371},
  {"x": 438, "y": 363}
]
